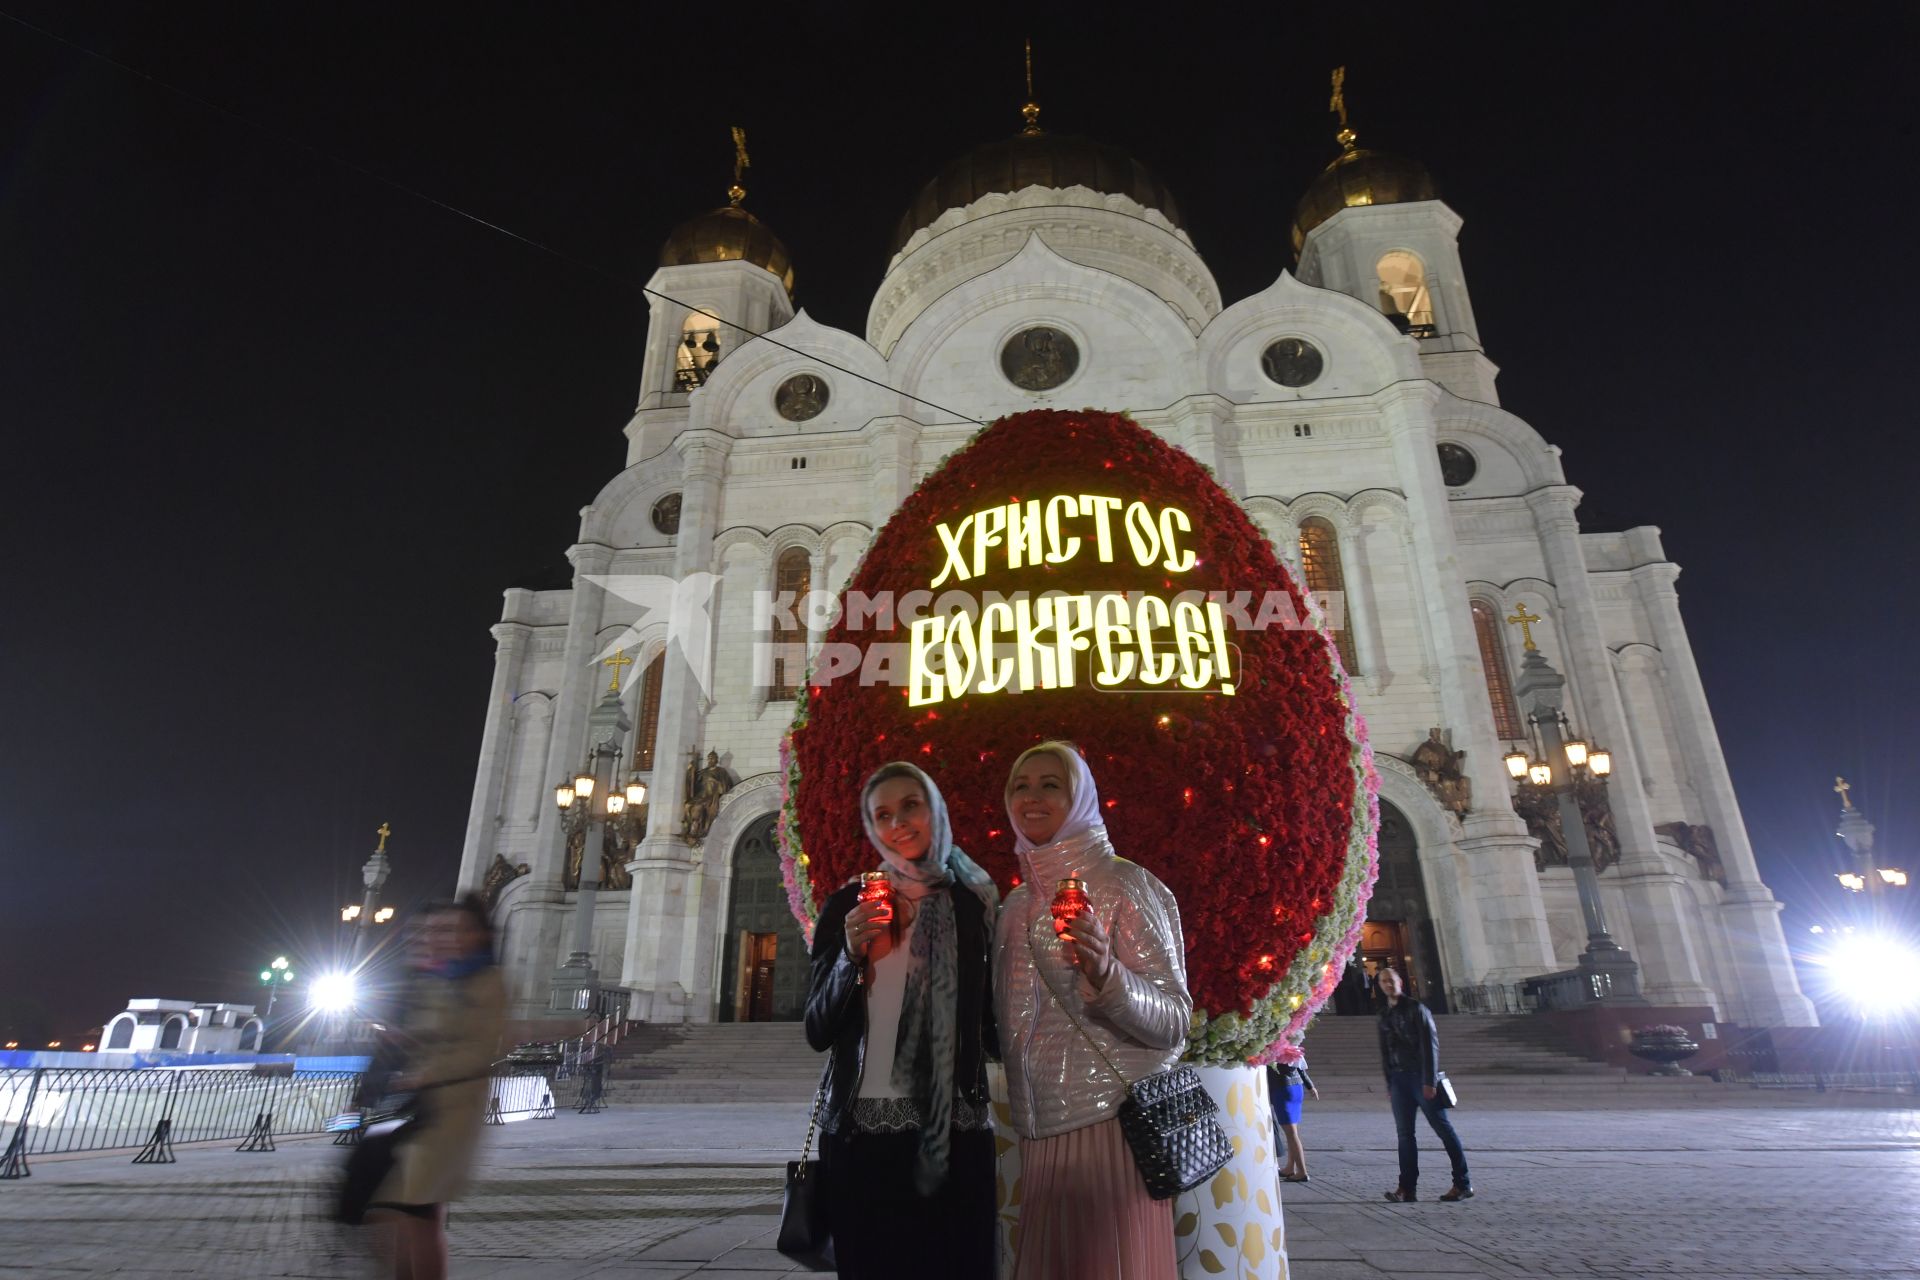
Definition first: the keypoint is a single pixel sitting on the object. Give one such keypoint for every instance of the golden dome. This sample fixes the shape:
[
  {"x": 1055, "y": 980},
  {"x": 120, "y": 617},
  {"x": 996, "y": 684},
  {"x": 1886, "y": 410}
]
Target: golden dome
[
  {"x": 728, "y": 234},
  {"x": 1359, "y": 177},
  {"x": 1035, "y": 159}
]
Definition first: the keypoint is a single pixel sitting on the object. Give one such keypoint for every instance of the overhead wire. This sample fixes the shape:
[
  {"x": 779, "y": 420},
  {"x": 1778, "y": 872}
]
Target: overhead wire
[{"x": 591, "y": 268}]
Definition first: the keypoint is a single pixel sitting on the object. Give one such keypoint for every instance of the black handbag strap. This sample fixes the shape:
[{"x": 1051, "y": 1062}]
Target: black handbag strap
[
  {"x": 1068, "y": 1009},
  {"x": 813, "y": 1117}
]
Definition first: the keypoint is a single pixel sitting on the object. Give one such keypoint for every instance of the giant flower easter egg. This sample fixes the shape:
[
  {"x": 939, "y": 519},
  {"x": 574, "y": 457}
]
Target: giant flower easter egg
[{"x": 1071, "y": 575}]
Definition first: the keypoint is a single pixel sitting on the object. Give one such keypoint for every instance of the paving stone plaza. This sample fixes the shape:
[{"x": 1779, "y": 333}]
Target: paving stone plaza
[{"x": 1785, "y": 1186}]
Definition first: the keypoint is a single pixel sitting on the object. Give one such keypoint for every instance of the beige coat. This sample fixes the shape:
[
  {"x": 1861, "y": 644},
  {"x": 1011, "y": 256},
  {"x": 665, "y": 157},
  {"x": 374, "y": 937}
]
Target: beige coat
[{"x": 457, "y": 1026}]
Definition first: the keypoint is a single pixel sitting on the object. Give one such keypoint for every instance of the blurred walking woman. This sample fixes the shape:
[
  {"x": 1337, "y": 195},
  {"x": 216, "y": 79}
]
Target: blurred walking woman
[
  {"x": 900, "y": 994},
  {"x": 454, "y": 1020},
  {"x": 1120, "y": 966}
]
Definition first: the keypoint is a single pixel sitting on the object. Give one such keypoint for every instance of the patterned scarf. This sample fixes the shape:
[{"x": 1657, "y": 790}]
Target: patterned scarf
[{"x": 925, "y": 1048}]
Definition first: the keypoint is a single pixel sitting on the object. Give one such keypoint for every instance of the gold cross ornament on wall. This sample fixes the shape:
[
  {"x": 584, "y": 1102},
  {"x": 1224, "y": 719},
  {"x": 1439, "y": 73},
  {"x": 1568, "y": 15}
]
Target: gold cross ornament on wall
[
  {"x": 617, "y": 661},
  {"x": 1524, "y": 621}
]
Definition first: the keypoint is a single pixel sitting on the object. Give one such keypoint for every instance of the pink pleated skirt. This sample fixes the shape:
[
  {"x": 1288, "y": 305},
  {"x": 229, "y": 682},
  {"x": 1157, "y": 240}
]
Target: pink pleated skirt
[{"x": 1086, "y": 1215}]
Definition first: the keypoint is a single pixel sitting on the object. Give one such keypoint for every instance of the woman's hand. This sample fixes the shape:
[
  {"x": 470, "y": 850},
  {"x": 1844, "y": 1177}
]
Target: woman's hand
[
  {"x": 870, "y": 929},
  {"x": 1315, "y": 1092},
  {"x": 1088, "y": 947}
]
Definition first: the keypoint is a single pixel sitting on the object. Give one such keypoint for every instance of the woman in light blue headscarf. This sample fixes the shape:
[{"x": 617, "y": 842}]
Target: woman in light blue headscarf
[{"x": 900, "y": 994}]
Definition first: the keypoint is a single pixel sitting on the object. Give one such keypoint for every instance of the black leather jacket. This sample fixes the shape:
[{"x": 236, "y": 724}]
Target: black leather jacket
[
  {"x": 1408, "y": 1039},
  {"x": 837, "y": 1005}
]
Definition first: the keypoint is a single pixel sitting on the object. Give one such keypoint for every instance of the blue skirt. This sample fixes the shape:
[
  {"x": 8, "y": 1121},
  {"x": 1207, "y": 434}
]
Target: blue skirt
[{"x": 1286, "y": 1103}]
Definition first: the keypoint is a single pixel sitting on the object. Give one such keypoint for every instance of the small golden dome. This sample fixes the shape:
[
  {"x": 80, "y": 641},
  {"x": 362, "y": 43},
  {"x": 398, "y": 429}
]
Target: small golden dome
[
  {"x": 1035, "y": 159},
  {"x": 1359, "y": 177},
  {"x": 728, "y": 234}
]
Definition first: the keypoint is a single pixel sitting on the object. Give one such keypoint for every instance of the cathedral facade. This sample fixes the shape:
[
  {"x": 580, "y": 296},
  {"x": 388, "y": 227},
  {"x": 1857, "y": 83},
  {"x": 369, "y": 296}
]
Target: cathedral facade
[{"x": 1349, "y": 406}]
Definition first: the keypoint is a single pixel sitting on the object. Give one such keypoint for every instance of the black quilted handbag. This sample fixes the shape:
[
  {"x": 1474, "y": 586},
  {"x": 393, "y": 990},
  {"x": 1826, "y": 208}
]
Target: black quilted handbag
[{"x": 1168, "y": 1119}]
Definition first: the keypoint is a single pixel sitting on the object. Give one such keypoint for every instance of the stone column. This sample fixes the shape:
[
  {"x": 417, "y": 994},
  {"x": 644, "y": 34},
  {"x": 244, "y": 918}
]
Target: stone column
[
  {"x": 566, "y": 748},
  {"x": 1770, "y": 990},
  {"x": 1658, "y": 898},
  {"x": 483, "y": 816},
  {"x": 1209, "y": 433},
  {"x": 1499, "y": 852},
  {"x": 664, "y": 905},
  {"x": 896, "y": 449}
]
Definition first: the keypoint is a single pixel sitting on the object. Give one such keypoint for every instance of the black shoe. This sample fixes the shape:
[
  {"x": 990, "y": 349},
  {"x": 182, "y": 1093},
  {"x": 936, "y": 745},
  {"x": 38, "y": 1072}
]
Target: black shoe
[
  {"x": 1287, "y": 1177},
  {"x": 1400, "y": 1195},
  {"x": 1458, "y": 1193}
]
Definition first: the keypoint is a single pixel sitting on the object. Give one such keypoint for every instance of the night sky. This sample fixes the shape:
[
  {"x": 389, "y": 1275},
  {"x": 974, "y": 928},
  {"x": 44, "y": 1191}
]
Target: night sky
[{"x": 279, "y": 429}]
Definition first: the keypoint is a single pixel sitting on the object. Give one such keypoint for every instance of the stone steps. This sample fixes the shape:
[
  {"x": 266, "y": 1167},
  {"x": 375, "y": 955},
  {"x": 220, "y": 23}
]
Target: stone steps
[{"x": 1488, "y": 1057}]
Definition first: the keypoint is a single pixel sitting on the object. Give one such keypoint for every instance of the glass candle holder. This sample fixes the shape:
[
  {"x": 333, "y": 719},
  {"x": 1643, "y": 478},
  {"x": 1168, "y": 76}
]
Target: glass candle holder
[{"x": 1069, "y": 900}]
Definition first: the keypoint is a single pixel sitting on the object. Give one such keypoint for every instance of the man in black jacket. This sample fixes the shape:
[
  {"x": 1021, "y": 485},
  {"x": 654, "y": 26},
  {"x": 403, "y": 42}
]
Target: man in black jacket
[{"x": 1410, "y": 1055}]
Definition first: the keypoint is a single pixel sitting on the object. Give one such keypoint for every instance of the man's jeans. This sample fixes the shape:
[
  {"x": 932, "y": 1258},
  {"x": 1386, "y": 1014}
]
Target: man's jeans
[{"x": 1406, "y": 1089}]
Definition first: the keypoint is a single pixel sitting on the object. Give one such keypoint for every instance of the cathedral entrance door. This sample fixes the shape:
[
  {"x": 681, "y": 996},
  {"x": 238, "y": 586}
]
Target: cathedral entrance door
[
  {"x": 763, "y": 948},
  {"x": 764, "y": 970},
  {"x": 1400, "y": 926}
]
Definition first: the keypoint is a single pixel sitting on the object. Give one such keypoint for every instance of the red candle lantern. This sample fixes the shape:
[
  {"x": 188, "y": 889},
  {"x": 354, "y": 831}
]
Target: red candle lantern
[
  {"x": 1069, "y": 900},
  {"x": 874, "y": 887}
]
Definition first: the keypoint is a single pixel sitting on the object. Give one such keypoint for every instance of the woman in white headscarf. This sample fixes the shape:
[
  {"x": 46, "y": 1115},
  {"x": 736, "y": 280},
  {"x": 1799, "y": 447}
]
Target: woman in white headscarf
[
  {"x": 1119, "y": 969},
  {"x": 900, "y": 993}
]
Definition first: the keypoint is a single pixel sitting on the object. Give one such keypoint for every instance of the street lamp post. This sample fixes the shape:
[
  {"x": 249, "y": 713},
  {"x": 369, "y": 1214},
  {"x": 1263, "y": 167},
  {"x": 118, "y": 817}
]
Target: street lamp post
[
  {"x": 368, "y": 912},
  {"x": 272, "y": 977},
  {"x": 591, "y": 803},
  {"x": 1868, "y": 876},
  {"x": 1564, "y": 761}
]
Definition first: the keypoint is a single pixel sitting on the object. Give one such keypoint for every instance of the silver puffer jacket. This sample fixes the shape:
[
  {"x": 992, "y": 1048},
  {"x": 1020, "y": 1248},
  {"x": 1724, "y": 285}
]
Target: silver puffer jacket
[{"x": 1056, "y": 1082}]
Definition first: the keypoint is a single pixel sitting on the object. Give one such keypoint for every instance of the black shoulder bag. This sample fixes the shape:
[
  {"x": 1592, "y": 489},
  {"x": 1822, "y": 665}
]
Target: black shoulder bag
[{"x": 805, "y": 1235}]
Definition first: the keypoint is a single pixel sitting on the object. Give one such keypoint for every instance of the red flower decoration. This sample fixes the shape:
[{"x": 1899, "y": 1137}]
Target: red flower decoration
[{"x": 1243, "y": 804}]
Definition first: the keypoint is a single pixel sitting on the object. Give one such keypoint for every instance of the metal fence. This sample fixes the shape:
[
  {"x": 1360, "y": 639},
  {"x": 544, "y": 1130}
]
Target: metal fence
[{"x": 46, "y": 1110}]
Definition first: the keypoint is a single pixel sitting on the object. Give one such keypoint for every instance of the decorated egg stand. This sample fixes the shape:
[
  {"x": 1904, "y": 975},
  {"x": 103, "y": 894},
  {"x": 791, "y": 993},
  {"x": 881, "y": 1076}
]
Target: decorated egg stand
[{"x": 1200, "y": 682}]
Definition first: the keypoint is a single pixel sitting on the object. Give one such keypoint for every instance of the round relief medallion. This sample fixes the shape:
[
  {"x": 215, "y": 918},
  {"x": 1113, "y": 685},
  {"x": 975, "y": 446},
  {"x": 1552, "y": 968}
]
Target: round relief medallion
[
  {"x": 1457, "y": 465},
  {"x": 666, "y": 514},
  {"x": 1039, "y": 359},
  {"x": 801, "y": 397},
  {"x": 1292, "y": 362}
]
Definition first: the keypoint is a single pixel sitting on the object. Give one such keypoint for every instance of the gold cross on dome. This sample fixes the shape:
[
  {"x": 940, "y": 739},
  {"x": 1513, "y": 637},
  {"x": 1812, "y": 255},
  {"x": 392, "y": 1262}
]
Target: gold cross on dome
[
  {"x": 1339, "y": 103},
  {"x": 1841, "y": 787},
  {"x": 617, "y": 661},
  {"x": 1525, "y": 621},
  {"x": 383, "y": 833},
  {"x": 1030, "y": 110},
  {"x": 736, "y": 193}
]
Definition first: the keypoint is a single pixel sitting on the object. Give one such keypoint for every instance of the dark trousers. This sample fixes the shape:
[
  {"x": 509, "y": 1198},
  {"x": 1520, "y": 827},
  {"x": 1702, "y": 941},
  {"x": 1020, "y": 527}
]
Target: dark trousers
[
  {"x": 1409, "y": 1096},
  {"x": 882, "y": 1229}
]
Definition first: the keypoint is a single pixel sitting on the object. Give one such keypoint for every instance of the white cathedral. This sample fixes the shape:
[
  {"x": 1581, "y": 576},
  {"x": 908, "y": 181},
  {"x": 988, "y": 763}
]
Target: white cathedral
[{"x": 1351, "y": 408}]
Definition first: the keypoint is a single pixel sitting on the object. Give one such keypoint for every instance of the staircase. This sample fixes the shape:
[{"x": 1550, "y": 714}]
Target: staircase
[
  {"x": 714, "y": 1062},
  {"x": 1513, "y": 1058},
  {"x": 1504, "y": 1060}
]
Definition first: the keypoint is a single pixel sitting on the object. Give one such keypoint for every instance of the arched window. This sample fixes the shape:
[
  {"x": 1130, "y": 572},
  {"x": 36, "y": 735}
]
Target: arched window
[
  {"x": 120, "y": 1034},
  {"x": 1404, "y": 295},
  {"x": 250, "y": 1037},
  {"x": 1320, "y": 566},
  {"x": 170, "y": 1034},
  {"x": 698, "y": 352},
  {"x": 792, "y": 579},
  {"x": 1493, "y": 659},
  {"x": 647, "y": 727}
]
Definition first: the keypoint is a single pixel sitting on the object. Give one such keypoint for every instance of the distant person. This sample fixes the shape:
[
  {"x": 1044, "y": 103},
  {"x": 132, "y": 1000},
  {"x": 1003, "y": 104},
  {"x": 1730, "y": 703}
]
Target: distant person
[
  {"x": 900, "y": 993},
  {"x": 450, "y": 1039},
  {"x": 1287, "y": 1086},
  {"x": 1410, "y": 1056}
]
